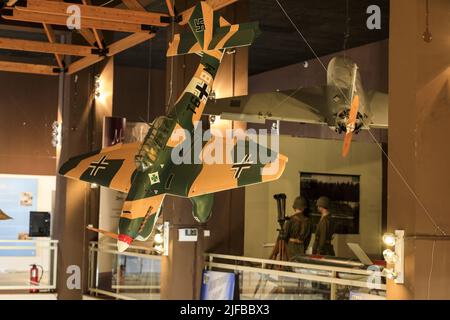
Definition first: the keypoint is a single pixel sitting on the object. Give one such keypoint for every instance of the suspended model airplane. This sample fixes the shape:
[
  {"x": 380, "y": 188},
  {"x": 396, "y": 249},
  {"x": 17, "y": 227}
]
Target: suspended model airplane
[
  {"x": 342, "y": 104},
  {"x": 147, "y": 172},
  {"x": 4, "y": 216}
]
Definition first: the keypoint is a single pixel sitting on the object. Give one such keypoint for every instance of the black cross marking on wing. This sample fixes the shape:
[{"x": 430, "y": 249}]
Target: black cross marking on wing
[
  {"x": 203, "y": 93},
  {"x": 243, "y": 165},
  {"x": 100, "y": 165}
]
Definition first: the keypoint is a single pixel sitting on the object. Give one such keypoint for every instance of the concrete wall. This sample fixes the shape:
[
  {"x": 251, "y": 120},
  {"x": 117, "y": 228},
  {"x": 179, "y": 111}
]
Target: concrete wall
[{"x": 321, "y": 156}]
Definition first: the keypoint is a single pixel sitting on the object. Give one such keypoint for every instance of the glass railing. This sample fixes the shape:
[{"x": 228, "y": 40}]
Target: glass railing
[
  {"x": 131, "y": 275},
  {"x": 261, "y": 279},
  {"x": 28, "y": 265}
]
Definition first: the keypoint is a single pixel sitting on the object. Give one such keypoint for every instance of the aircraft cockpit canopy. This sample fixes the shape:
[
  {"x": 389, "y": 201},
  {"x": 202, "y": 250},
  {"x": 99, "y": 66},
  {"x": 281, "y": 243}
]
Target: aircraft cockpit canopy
[{"x": 155, "y": 141}]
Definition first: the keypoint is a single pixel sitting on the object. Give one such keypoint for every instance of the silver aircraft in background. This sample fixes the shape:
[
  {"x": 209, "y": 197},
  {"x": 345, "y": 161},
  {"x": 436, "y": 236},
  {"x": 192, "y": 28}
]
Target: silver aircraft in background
[{"x": 342, "y": 104}]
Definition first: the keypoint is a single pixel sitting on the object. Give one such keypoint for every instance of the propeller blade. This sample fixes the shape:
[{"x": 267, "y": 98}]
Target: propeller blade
[
  {"x": 353, "y": 110},
  {"x": 347, "y": 143},
  {"x": 105, "y": 233},
  {"x": 350, "y": 126}
]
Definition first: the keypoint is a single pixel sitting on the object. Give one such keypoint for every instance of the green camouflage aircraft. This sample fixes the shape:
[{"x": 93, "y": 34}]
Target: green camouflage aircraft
[{"x": 147, "y": 172}]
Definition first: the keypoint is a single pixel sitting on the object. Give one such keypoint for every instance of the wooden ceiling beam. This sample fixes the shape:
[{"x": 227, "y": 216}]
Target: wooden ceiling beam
[
  {"x": 128, "y": 42},
  {"x": 55, "y": 12},
  {"x": 11, "y": 3},
  {"x": 88, "y": 35},
  {"x": 170, "y": 7},
  {"x": 113, "y": 49},
  {"x": 28, "y": 68},
  {"x": 122, "y": 26},
  {"x": 83, "y": 63},
  {"x": 97, "y": 33},
  {"x": 89, "y": 12},
  {"x": 52, "y": 39},
  {"x": 133, "y": 5},
  {"x": 45, "y": 47}
]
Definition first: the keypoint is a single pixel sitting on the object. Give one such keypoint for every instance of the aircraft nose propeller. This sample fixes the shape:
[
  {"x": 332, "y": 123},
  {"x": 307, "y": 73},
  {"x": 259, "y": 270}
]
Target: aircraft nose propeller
[
  {"x": 351, "y": 126},
  {"x": 123, "y": 242}
]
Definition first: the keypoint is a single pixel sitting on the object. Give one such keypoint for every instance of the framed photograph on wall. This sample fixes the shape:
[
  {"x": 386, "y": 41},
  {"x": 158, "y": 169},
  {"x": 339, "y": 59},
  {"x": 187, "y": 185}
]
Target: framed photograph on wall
[{"x": 343, "y": 191}]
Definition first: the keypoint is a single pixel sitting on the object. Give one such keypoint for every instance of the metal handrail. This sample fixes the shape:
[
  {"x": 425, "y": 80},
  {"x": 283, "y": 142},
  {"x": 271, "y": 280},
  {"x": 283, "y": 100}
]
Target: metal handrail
[
  {"x": 30, "y": 241},
  {"x": 127, "y": 254},
  {"x": 332, "y": 279},
  {"x": 95, "y": 246},
  {"x": 109, "y": 244},
  {"x": 50, "y": 245},
  {"x": 290, "y": 264},
  {"x": 111, "y": 248}
]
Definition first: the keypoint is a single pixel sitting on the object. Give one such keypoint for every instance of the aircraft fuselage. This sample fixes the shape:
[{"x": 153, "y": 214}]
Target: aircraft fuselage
[{"x": 343, "y": 82}]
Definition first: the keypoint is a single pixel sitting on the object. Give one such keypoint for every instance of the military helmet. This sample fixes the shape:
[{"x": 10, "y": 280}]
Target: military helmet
[
  {"x": 300, "y": 203},
  {"x": 323, "y": 202}
]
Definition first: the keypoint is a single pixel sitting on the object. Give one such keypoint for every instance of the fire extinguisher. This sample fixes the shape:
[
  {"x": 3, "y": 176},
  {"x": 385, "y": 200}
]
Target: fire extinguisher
[{"x": 34, "y": 276}]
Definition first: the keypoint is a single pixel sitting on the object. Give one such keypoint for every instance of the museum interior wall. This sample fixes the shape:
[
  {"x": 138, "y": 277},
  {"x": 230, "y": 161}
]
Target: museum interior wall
[
  {"x": 372, "y": 60},
  {"x": 419, "y": 120},
  {"x": 139, "y": 93},
  {"x": 317, "y": 156},
  {"x": 28, "y": 107}
]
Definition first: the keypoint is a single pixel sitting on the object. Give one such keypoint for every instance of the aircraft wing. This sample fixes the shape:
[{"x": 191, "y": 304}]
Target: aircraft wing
[
  {"x": 306, "y": 105},
  {"x": 379, "y": 106},
  {"x": 228, "y": 165},
  {"x": 4, "y": 216},
  {"x": 112, "y": 167}
]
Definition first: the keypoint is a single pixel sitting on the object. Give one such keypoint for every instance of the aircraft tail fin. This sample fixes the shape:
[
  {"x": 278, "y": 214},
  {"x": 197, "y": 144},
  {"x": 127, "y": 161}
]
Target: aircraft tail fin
[{"x": 209, "y": 31}]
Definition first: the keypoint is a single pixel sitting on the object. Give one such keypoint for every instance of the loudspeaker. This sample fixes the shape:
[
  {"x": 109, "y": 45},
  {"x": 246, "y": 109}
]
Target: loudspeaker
[{"x": 39, "y": 224}]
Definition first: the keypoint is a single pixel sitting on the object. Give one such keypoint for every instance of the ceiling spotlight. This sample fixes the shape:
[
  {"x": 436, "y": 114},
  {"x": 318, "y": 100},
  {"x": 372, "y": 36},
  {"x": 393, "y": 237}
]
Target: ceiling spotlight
[
  {"x": 395, "y": 257},
  {"x": 275, "y": 126},
  {"x": 97, "y": 86},
  {"x": 158, "y": 238},
  {"x": 159, "y": 249},
  {"x": 160, "y": 228},
  {"x": 56, "y": 134},
  {"x": 305, "y": 64},
  {"x": 389, "y": 239},
  {"x": 390, "y": 274},
  {"x": 390, "y": 256}
]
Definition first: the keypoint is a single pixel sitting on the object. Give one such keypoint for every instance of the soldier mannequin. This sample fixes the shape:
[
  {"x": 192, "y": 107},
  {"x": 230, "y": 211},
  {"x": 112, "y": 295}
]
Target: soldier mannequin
[
  {"x": 324, "y": 232},
  {"x": 298, "y": 229}
]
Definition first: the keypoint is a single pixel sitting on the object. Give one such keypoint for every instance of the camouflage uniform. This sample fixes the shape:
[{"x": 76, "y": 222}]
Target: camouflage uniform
[
  {"x": 324, "y": 234},
  {"x": 297, "y": 234}
]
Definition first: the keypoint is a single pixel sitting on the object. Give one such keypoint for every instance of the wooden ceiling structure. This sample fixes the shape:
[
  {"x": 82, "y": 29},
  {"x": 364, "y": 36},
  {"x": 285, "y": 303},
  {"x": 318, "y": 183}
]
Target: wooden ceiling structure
[{"x": 134, "y": 19}]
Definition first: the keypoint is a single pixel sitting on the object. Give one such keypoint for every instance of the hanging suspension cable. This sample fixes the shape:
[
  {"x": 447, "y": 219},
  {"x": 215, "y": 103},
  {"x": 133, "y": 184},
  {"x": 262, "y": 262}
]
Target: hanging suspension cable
[{"x": 410, "y": 189}]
